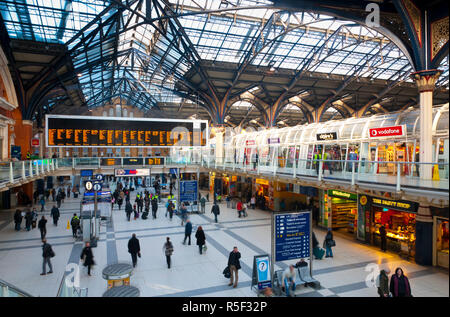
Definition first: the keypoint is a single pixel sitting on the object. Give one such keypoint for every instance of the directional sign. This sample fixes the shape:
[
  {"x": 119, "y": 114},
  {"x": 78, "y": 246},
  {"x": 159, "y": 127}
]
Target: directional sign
[
  {"x": 188, "y": 191},
  {"x": 292, "y": 236},
  {"x": 99, "y": 177},
  {"x": 89, "y": 185},
  {"x": 97, "y": 187}
]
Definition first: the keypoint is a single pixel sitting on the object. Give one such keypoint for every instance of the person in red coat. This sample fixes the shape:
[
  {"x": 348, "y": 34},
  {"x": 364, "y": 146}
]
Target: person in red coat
[{"x": 239, "y": 208}]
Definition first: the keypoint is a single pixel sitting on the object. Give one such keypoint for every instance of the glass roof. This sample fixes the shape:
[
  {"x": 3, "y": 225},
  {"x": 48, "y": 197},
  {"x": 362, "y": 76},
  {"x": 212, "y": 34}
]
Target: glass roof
[{"x": 117, "y": 51}]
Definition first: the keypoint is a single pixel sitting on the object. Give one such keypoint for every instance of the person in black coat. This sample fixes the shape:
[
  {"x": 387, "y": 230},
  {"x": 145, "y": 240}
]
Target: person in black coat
[
  {"x": 215, "y": 210},
  {"x": 134, "y": 249},
  {"x": 128, "y": 210},
  {"x": 234, "y": 265},
  {"x": 55, "y": 215},
  {"x": 154, "y": 207},
  {"x": 383, "y": 238},
  {"x": 88, "y": 257},
  {"x": 315, "y": 243},
  {"x": 18, "y": 219},
  {"x": 399, "y": 285},
  {"x": 28, "y": 219},
  {"x": 200, "y": 236},
  {"x": 42, "y": 227},
  {"x": 187, "y": 232}
]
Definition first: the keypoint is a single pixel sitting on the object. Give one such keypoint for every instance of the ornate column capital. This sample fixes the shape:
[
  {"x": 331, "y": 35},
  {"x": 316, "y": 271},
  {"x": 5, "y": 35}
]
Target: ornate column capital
[{"x": 426, "y": 79}]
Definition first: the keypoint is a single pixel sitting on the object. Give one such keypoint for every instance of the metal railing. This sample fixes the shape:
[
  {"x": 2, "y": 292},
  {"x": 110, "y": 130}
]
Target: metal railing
[
  {"x": 70, "y": 291},
  {"x": 398, "y": 174},
  {"x": 9, "y": 290}
]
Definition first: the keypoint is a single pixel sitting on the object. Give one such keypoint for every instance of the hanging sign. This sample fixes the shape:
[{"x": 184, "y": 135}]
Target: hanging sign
[{"x": 326, "y": 136}]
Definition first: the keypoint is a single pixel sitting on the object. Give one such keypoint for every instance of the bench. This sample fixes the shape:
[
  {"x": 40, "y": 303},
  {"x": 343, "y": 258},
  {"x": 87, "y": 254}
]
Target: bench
[{"x": 305, "y": 276}]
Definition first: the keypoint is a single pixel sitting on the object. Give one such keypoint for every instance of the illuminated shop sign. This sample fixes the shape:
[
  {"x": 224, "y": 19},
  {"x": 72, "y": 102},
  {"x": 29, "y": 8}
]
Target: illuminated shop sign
[
  {"x": 262, "y": 181},
  {"x": 341, "y": 194},
  {"x": 398, "y": 130},
  {"x": 133, "y": 172},
  {"x": 392, "y": 204},
  {"x": 326, "y": 136}
]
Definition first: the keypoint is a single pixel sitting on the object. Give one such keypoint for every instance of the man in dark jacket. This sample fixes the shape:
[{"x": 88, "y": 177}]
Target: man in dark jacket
[
  {"x": 134, "y": 249},
  {"x": 128, "y": 210},
  {"x": 59, "y": 199},
  {"x": 42, "y": 227},
  {"x": 55, "y": 215},
  {"x": 154, "y": 207},
  {"x": 234, "y": 265},
  {"x": 18, "y": 219},
  {"x": 215, "y": 210},
  {"x": 187, "y": 232},
  {"x": 383, "y": 238},
  {"x": 47, "y": 253},
  {"x": 75, "y": 223}
]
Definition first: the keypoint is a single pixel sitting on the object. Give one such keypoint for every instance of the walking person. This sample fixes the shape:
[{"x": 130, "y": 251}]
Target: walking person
[
  {"x": 88, "y": 257},
  {"x": 187, "y": 232},
  {"x": 168, "y": 251},
  {"x": 134, "y": 249},
  {"x": 34, "y": 217},
  {"x": 383, "y": 283},
  {"x": 55, "y": 215},
  {"x": 234, "y": 265},
  {"x": 128, "y": 210},
  {"x": 42, "y": 227},
  {"x": 58, "y": 199},
  {"x": 170, "y": 208},
  {"x": 53, "y": 191},
  {"x": 201, "y": 239},
  {"x": 328, "y": 244},
  {"x": 75, "y": 223},
  {"x": 228, "y": 200},
  {"x": 383, "y": 239},
  {"x": 47, "y": 254},
  {"x": 17, "y": 219},
  {"x": 215, "y": 210},
  {"x": 28, "y": 220},
  {"x": 154, "y": 207},
  {"x": 399, "y": 285},
  {"x": 119, "y": 202},
  {"x": 202, "y": 204},
  {"x": 42, "y": 202},
  {"x": 68, "y": 191}
]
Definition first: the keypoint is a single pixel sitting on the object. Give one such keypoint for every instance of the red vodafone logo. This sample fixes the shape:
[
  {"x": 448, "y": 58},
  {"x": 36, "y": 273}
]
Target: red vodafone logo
[{"x": 386, "y": 131}]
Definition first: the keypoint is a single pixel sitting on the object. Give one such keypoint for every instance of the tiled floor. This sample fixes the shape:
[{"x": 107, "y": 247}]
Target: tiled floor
[{"x": 193, "y": 274}]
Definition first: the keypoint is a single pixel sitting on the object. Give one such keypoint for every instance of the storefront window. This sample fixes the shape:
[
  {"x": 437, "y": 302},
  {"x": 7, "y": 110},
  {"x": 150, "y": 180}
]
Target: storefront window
[
  {"x": 442, "y": 236},
  {"x": 400, "y": 226}
]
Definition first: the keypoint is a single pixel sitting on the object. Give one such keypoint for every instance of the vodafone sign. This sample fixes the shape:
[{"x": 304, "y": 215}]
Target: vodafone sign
[{"x": 398, "y": 130}]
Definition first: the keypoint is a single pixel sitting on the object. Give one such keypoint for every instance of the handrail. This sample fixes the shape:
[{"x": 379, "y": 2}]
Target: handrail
[{"x": 8, "y": 286}]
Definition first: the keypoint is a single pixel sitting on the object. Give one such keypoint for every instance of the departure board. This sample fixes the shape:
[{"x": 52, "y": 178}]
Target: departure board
[{"x": 82, "y": 131}]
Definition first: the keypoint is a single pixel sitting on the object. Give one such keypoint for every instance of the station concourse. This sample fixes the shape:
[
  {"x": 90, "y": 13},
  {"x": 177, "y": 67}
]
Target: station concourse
[{"x": 333, "y": 114}]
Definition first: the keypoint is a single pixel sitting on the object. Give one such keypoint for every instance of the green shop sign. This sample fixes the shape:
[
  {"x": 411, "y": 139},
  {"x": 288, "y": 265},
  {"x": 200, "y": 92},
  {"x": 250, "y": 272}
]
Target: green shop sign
[{"x": 341, "y": 194}]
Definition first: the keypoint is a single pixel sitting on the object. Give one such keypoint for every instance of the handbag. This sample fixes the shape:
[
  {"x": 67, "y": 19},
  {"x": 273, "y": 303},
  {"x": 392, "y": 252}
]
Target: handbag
[
  {"x": 204, "y": 248},
  {"x": 332, "y": 243}
]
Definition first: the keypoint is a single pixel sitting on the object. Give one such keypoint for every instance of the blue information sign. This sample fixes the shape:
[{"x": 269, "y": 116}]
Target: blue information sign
[
  {"x": 86, "y": 173},
  {"x": 292, "y": 236},
  {"x": 263, "y": 272},
  {"x": 188, "y": 191}
]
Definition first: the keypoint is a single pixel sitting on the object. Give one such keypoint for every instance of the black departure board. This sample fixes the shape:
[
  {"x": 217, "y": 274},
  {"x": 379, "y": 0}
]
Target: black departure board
[{"x": 83, "y": 131}]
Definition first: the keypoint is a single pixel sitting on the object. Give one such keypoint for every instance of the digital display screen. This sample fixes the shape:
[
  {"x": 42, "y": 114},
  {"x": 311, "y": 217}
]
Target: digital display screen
[{"x": 83, "y": 131}]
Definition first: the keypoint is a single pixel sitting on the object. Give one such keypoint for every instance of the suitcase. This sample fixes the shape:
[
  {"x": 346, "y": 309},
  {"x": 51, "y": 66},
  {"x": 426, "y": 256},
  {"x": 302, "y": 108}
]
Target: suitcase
[
  {"x": 33, "y": 224},
  {"x": 318, "y": 253},
  {"x": 144, "y": 215}
]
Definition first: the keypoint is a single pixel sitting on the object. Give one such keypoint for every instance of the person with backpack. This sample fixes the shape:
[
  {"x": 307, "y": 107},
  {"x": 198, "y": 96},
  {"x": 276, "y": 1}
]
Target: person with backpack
[
  {"x": 55, "y": 215},
  {"x": 187, "y": 232},
  {"x": 42, "y": 227},
  {"x": 47, "y": 254},
  {"x": 201, "y": 239},
  {"x": 75, "y": 223},
  {"x": 88, "y": 257},
  {"x": 328, "y": 243},
  {"x": 168, "y": 251},
  {"x": 134, "y": 249},
  {"x": 383, "y": 283},
  {"x": 215, "y": 210},
  {"x": 234, "y": 265}
]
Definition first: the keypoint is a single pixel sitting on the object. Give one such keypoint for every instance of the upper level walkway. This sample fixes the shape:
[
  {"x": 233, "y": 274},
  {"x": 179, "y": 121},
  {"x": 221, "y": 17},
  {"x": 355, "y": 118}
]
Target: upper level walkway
[{"x": 353, "y": 175}]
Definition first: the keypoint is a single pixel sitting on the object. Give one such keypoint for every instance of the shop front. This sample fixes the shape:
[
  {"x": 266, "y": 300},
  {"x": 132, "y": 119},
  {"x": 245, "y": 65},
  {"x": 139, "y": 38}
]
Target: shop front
[
  {"x": 398, "y": 217},
  {"x": 339, "y": 210},
  {"x": 264, "y": 193},
  {"x": 441, "y": 236}
]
